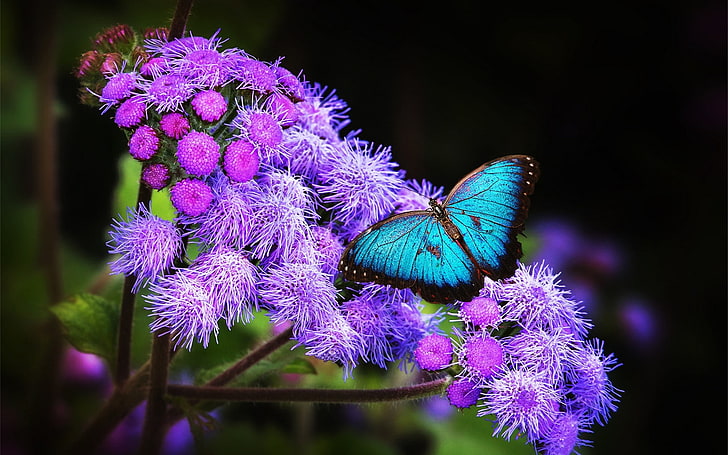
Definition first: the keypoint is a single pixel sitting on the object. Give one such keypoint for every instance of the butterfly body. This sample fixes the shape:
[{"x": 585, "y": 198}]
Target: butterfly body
[{"x": 444, "y": 252}]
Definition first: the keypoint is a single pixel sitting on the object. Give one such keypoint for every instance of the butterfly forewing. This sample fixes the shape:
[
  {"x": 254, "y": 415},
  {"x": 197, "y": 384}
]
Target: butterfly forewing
[{"x": 489, "y": 207}]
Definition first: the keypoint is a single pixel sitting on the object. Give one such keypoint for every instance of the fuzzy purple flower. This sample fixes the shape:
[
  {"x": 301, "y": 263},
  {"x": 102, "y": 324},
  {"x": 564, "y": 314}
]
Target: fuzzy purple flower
[
  {"x": 434, "y": 352},
  {"x": 463, "y": 393},
  {"x": 155, "y": 176},
  {"x": 535, "y": 297},
  {"x": 263, "y": 129},
  {"x": 167, "y": 92},
  {"x": 590, "y": 390},
  {"x": 241, "y": 161},
  {"x": 299, "y": 293},
  {"x": 174, "y": 125},
  {"x": 191, "y": 197},
  {"x": 480, "y": 312},
  {"x": 143, "y": 143},
  {"x": 229, "y": 219},
  {"x": 209, "y": 105},
  {"x": 416, "y": 195},
  {"x": 119, "y": 86},
  {"x": 253, "y": 75},
  {"x": 369, "y": 317},
  {"x": 148, "y": 245},
  {"x": 282, "y": 211},
  {"x": 198, "y": 153},
  {"x": 230, "y": 278},
  {"x": 322, "y": 112},
  {"x": 544, "y": 352},
  {"x": 480, "y": 355},
  {"x": 333, "y": 340},
  {"x": 361, "y": 187},
  {"x": 307, "y": 152},
  {"x": 523, "y": 402},
  {"x": 181, "y": 304},
  {"x": 328, "y": 248},
  {"x": 289, "y": 83},
  {"x": 563, "y": 435},
  {"x": 197, "y": 59},
  {"x": 130, "y": 112}
]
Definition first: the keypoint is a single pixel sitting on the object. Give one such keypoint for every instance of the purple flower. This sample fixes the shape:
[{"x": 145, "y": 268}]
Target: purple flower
[
  {"x": 463, "y": 393},
  {"x": 130, "y": 112},
  {"x": 480, "y": 312},
  {"x": 241, "y": 161},
  {"x": 307, "y": 152},
  {"x": 143, "y": 143},
  {"x": 167, "y": 92},
  {"x": 174, "y": 125},
  {"x": 535, "y": 297},
  {"x": 323, "y": 113},
  {"x": 253, "y": 75},
  {"x": 299, "y": 293},
  {"x": 543, "y": 352},
  {"x": 155, "y": 176},
  {"x": 369, "y": 317},
  {"x": 198, "y": 153},
  {"x": 229, "y": 218},
  {"x": 182, "y": 304},
  {"x": 196, "y": 58},
  {"x": 434, "y": 352},
  {"x": 191, "y": 197},
  {"x": 154, "y": 67},
  {"x": 333, "y": 340},
  {"x": 119, "y": 86},
  {"x": 522, "y": 401},
  {"x": 284, "y": 107},
  {"x": 148, "y": 245},
  {"x": 480, "y": 355},
  {"x": 230, "y": 278},
  {"x": 328, "y": 248},
  {"x": 590, "y": 390},
  {"x": 210, "y": 105},
  {"x": 562, "y": 436},
  {"x": 361, "y": 187},
  {"x": 282, "y": 211},
  {"x": 263, "y": 129},
  {"x": 289, "y": 83}
]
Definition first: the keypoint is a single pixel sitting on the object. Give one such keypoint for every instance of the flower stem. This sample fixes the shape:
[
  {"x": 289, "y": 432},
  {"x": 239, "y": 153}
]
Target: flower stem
[
  {"x": 126, "y": 314},
  {"x": 153, "y": 431},
  {"x": 255, "y": 394},
  {"x": 255, "y": 356}
]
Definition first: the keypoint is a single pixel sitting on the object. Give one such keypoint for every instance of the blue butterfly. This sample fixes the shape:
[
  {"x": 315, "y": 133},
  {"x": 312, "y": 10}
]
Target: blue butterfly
[{"x": 443, "y": 253}]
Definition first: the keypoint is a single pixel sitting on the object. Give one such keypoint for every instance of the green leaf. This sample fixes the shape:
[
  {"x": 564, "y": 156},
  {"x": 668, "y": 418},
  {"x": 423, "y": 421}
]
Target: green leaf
[{"x": 90, "y": 323}]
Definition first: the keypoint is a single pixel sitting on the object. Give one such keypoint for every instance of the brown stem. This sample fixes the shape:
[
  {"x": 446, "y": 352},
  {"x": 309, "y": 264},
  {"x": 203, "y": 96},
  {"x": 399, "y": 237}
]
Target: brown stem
[
  {"x": 179, "y": 21},
  {"x": 156, "y": 412}
]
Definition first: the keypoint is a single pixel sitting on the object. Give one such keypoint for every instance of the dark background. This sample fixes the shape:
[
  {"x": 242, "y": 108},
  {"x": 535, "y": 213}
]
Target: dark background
[{"x": 623, "y": 105}]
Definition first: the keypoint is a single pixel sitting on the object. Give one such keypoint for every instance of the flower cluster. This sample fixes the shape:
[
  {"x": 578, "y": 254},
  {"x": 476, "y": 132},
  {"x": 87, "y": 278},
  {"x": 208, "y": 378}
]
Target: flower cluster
[
  {"x": 265, "y": 182},
  {"x": 522, "y": 355},
  {"x": 254, "y": 160}
]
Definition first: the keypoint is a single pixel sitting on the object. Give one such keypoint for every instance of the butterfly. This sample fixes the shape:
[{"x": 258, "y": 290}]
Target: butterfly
[{"x": 444, "y": 252}]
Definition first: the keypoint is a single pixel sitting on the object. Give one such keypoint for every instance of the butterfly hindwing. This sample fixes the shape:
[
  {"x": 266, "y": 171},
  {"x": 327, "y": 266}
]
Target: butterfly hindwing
[
  {"x": 411, "y": 250},
  {"x": 489, "y": 207}
]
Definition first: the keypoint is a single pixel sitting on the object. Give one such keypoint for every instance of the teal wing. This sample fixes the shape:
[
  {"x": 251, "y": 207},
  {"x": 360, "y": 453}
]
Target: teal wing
[
  {"x": 489, "y": 207},
  {"x": 412, "y": 250}
]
